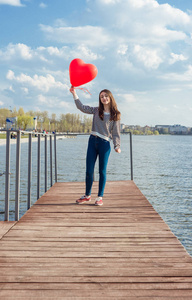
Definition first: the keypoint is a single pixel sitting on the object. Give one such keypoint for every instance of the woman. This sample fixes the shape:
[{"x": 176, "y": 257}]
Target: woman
[{"x": 105, "y": 127}]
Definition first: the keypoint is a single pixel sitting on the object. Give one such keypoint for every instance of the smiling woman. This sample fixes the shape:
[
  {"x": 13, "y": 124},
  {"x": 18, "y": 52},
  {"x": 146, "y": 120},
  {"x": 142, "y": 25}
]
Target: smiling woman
[{"x": 105, "y": 127}]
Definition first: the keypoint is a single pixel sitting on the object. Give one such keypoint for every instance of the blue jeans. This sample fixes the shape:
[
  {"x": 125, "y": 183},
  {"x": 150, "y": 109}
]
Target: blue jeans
[{"x": 97, "y": 147}]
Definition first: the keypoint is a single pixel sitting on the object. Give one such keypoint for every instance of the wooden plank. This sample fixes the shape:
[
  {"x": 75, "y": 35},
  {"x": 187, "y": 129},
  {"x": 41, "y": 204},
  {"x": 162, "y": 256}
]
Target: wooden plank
[
  {"x": 5, "y": 227},
  {"x": 123, "y": 250},
  {"x": 97, "y": 286},
  {"x": 89, "y": 272},
  {"x": 99, "y": 293},
  {"x": 110, "y": 254},
  {"x": 27, "y": 246},
  {"x": 157, "y": 261},
  {"x": 97, "y": 279},
  {"x": 82, "y": 264}
]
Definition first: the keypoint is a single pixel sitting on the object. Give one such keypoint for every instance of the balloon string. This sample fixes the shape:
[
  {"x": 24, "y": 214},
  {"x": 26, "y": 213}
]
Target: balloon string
[{"x": 84, "y": 90}]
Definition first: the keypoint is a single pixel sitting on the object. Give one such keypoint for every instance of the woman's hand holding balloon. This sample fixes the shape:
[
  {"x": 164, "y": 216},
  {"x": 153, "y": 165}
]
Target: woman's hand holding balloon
[{"x": 72, "y": 90}]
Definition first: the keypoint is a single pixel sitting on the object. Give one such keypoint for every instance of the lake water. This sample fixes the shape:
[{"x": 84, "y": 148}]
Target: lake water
[{"x": 162, "y": 168}]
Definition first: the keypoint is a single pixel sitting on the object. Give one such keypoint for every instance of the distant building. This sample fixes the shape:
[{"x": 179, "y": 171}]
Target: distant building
[
  {"x": 172, "y": 129},
  {"x": 126, "y": 128},
  {"x": 178, "y": 129},
  {"x": 162, "y": 129},
  {"x": 132, "y": 127},
  {"x": 162, "y": 126}
]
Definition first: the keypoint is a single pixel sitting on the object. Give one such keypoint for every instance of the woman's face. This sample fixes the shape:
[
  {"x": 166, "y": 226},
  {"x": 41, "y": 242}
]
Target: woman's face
[{"x": 105, "y": 99}]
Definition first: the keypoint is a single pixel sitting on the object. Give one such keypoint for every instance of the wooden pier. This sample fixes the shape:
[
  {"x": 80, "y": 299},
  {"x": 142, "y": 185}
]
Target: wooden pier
[{"x": 122, "y": 250}]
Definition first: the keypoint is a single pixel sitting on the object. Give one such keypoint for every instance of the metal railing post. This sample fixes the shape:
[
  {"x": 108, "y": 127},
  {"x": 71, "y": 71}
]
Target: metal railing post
[
  {"x": 18, "y": 168},
  {"x": 55, "y": 157},
  {"x": 131, "y": 155},
  {"x": 38, "y": 166},
  {"x": 7, "y": 176},
  {"x": 51, "y": 162},
  {"x": 45, "y": 163},
  {"x": 29, "y": 171},
  {"x": 17, "y": 182}
]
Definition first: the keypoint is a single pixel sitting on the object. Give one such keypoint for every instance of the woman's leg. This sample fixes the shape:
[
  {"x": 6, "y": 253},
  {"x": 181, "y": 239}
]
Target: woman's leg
[
  {"x": 104, "y": 152},
  {"x": 90, "y": 163}
]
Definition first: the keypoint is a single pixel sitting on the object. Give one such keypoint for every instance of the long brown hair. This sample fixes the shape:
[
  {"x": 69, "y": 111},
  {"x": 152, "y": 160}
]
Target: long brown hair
[{"x": 114, "y": 112}]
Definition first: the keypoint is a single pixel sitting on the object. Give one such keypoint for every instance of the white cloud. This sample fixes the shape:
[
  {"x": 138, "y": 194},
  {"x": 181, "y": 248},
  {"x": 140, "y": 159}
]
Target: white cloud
[
  {"x": 66, "y": 52},
  {"x": 63, "y": 104},
  {"x": 180, "y": 76},
  {"x": 159, "y": 33},
  {"x": 1, "y": 103},
  {"x": 149, "y": 57},
  {"x": 42, "y": 5},
  {"x": 162, "y": 109},
  {"x": 122, "y": 49},
  {"x": 137, "y": 46},
  {"x": 177, "y": 107},
  {"x": 142, "y": 3},
  {"x": 108, "y": 2},
  {"x": 174, "y": 16},
  {"x": 51, "y": 102},
  {"x": 43, "y": 83},
  {"x": 148, "y": 10},
  {"x": 25, "y": 90},
  {"x": 93, "y": 36},
  {"x": 128, "y": 98},
  {"x": 16, "y": 51},
  {"x": 141, "y": 31},
  {"x": 85, "y": 53},
  {"x": 177, "y": 57},
  {"x": 54, "y": 50},
  {"x": 144, "y": 19},
  {"x": 10, "y": 75},
  {"x": 24, "y": 51},
  {"x": 11, "y": 89},
  {"x": 11, "y": 2},
  {"x": 42, "y": 99},
  {"x": 23, "y": 56}
]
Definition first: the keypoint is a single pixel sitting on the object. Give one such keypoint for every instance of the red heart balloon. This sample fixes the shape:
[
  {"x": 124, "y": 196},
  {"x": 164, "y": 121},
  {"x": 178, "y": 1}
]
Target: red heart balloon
[{"x": 80, "y": 72}]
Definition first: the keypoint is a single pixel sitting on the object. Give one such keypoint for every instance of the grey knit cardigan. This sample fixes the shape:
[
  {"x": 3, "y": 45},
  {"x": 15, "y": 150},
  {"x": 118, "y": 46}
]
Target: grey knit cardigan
[{"x": 105, "y": 129}]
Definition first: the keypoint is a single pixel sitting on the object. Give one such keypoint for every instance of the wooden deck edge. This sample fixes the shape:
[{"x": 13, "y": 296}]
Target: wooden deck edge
[{"x": 5, "y": 226}]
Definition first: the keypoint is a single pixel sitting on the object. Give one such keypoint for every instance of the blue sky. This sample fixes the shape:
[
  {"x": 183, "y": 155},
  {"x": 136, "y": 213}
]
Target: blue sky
[{"x": 142, "y": 50}]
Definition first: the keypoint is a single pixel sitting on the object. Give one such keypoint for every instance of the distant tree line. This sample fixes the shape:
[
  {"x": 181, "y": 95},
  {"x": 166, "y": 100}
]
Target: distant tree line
[
  {"x": 138, "y": 130},
  {"x": 146, "y": 130},
  {"x": 65, "y": 123}
]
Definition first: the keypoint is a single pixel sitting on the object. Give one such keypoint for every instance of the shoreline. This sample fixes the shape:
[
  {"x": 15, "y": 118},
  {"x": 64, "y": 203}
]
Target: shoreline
[
  {"x": 26, "y": 140},
  {"x": 13, "y": 141}
]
